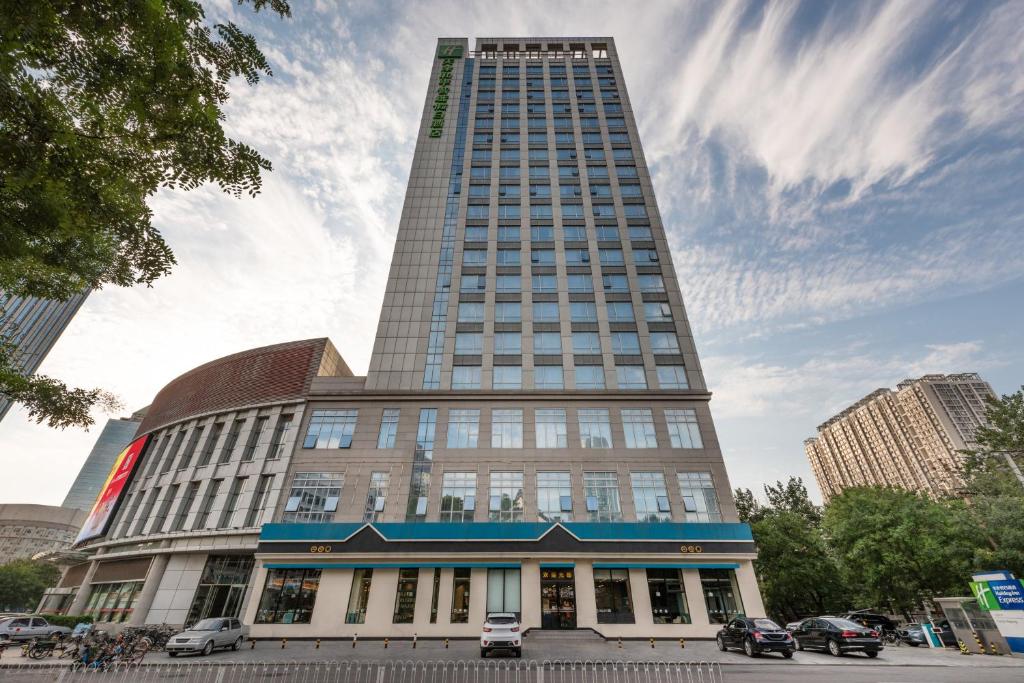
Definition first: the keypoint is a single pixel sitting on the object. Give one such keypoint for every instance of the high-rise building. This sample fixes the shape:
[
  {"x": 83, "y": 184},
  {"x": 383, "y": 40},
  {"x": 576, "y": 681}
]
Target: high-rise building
[
  {"x": 32, "y": 326},
  {"x": 910, "y": 438},
  {"x": 116, "y": 434},
  {"x": 533, "y": 434}
]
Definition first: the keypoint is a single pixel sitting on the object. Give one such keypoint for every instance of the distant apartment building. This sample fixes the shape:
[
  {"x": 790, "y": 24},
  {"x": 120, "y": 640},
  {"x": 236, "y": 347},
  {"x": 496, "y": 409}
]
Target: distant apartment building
[
  {"x": 909, "y": 438},
  {"x": 116, "y": 434},
  {"x": 29, "y": 529},
  {"x": 32, "y": 326}
]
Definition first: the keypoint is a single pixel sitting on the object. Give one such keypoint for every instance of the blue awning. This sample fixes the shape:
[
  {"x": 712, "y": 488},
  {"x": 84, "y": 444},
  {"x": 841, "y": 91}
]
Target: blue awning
[{"x": 326, "y": 564}]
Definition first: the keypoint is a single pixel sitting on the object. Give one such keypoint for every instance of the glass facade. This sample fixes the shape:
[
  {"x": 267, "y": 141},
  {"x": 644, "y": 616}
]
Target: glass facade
[{"x": 288, "y": 596}]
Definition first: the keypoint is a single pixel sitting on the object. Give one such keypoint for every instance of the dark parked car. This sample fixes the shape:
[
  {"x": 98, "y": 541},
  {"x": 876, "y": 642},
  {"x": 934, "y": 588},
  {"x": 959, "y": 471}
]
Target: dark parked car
[
  {"x": 755, "y": 636},
  {"x": 913, "y": 634},
  {"x": 837, "y": 637},
  {"x": 879, "y": 622}
]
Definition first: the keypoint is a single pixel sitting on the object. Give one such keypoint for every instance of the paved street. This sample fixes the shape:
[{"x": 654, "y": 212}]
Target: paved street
[{"x": 268, "y": 661}]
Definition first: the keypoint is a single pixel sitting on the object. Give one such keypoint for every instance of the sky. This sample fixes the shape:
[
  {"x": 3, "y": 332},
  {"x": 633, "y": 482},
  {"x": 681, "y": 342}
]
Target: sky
[{"x": 841, "y": 183}]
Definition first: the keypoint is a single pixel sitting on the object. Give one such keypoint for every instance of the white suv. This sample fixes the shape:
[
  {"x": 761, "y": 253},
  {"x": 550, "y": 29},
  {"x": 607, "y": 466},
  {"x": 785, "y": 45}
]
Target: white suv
[{"x": 501, "y": 632}]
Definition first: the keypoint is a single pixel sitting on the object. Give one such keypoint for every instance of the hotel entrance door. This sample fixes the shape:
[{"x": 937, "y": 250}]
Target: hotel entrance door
[{"x": 557, "y": 598}]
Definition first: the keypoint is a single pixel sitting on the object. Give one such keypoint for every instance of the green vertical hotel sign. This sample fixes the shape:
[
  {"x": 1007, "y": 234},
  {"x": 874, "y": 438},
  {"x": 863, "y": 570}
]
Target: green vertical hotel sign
[{"x": 447, "y": 54}]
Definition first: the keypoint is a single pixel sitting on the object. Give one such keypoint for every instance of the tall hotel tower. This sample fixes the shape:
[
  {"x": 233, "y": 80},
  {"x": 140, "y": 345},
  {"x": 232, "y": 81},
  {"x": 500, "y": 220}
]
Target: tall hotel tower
[{"x": 533, "y": 434}]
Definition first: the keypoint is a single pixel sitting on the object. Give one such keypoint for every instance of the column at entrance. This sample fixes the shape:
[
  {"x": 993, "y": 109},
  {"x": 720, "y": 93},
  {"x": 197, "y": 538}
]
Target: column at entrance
[
  {"x": 153, "y": 578},
  {"x": 84, "y": 589}
]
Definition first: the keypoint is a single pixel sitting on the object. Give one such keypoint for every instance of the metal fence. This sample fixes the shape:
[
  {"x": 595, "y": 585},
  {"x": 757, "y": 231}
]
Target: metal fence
[{"x": 457, "y": 671}]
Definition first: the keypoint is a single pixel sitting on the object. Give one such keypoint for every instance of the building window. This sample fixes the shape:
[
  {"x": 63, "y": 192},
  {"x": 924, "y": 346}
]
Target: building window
[
  {"x": 458, "y": 496},
  {"x": 471, "y": 313},
  {"x": 466, "y": 377},
  {"x": 602, "y": 492},
  {"x": 505, "y": 498},
  {"x": 508, "y": 343},
  {"x": 650, "y": 497},
  {"x": 314, "y": 497},
  {"x": 650, "y": 283},
  {"x": 545, "y": 312},
  {"x": 508, "y": 257},
  {"x": 551, "y": 429},
  {"x": 547, "y": 343},
  {"x": 222, "y": 585},
  {"x": 508, "y": 376},
  {"x": 721, "y": 595},
  {"x": 664, "y": 342},
  {"x": 583, "y": 312},
  {"x": 683, "y": 429},
  {"x": 626, "y": 343},
  {"x": 508, "y": 284},
  {"x": 405, "y": 598},
  {"x": 376, "y": 496},
  {"x": 638, "y": 425},
  {"x": 460, "y": 595},
  {"x": 463, "y": 428},
  {"x": 504, "y": 588},
  {"x": 554, "y": 497},
  {"x": 254, "y": 438},
  {"x": 548, "y": 377},
  {"x": 388, "y": 428},
  {"x": 700, "y": 500},
  {"x": 631, "y": 376},
  {"x": 621, "y": 312},
  {"x": 288, "y": 596},
  {"x": 113, "y": 602},
  {"x": 468, "y": 343},
  {"x": 588, "y": 343},
  {"x": 419, "y": 481},
  {"x": 507, "y": 312},
  {"x": 595, "y": 428},
  {"x": 589, "y": 376},
  {"x": 255, "y": 516},
  {"x": 611, "y": 592},
  {"x": 359, "y": 597},
  {"x": 331, "y": 429},
  {"x": 672, "y": 377},
  {"x": 190, "y": 447},
  {"x": 657, "y": 312},
  {"x": 231, "y": 503},
  {"x": 165, "y": 507},
  {"x": 507, "y": 428},
  {"x": 668, "y": 597},
  {"x": 185, "y": 506},
  {"x": 207, "y": 505},
  {"x": 175, "y": 447},
  {"x": 284, "y": 425}
]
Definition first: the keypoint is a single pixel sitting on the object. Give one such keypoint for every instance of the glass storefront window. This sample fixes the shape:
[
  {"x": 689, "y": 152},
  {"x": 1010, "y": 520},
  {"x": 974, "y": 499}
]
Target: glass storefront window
[
  {"x": 611, "y": 593},
  {"x": 221, "y": 587},
  {"x": 721, "y": 594},
  {"x": 113, "y": 602},
  {"x": 460, "y": 596},
  {"x": 405, "y": 599},
  {"x": 668, "y": 597},
  {"x": 359, "y": 597},
  {"x": 288, "y": 596},
  {"x": 503, "y": 590}
]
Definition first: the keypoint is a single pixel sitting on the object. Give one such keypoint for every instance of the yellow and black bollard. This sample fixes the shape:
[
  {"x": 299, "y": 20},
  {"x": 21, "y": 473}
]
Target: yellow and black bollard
[
  {"x": 252, "y": 644},
  {"x": 995, "y": 650},
  {"x": 318, "y": 643},
  {"x": 652, "y": 643},
  {"x": 446, "y": 643},
  {"x": 981, "y": 646},
  {"x": 386, "y": 641},
  {"x": 963, "y": 647},
  {"x": 284, "y": 643},
  {"x": 682, "y": 644}
]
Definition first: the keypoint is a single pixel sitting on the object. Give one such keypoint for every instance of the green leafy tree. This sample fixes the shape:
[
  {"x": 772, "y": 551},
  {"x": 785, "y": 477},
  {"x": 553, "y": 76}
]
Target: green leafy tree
[
  {"x": 102, "y": 103},
  {"x": 994, "y": 494},
  {"x": 22, "y": 583},
  {"x": 898, "y": 549},
  {"x": 746, "y": 505}
]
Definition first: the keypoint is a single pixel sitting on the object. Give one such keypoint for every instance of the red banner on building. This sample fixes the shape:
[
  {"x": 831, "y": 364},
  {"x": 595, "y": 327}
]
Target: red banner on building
[{"x": 110, "y": 495}]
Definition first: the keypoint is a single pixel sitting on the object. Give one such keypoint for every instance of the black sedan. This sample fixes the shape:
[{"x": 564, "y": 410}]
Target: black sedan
[
  {"x": 837, "y": 637},
  {"x": 755, "y": 636}
]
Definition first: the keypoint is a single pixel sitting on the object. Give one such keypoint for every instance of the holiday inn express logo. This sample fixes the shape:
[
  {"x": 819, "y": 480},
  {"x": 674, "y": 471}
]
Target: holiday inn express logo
[
  {"x": 447, "y": 54},
  {"x": 983, "y": 594}
]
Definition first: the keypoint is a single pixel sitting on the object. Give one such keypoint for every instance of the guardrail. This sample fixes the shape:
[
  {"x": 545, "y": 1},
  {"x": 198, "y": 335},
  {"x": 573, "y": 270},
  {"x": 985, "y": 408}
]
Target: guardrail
[{"x": 455, "y": 671}]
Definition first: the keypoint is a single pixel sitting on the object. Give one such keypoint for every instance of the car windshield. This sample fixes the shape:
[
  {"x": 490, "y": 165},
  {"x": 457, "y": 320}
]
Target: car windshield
[
  {"x": 207, "y": 625},
  {"x": 502, "y": 620},
  {"x": 843, "y": 623},
  {"x": 766, "y": 624}
]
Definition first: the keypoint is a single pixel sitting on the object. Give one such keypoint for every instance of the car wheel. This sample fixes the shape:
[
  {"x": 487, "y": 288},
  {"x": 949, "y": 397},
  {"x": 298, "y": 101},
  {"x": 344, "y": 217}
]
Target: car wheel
[
  {"x": 208, "y": 648},
  {"x": 913, "y": 644},
  {"x": 788, "y": 654},
  {"x": 834, "y": 649},
  {"x": 797, "y": 645},
  {"x": 721, "y": 643},
  {"x": 871, "y": 654},
  {"x": 748, "y": 647},
  {"x": 172, "y": 653},
  {"x": 237, "y": 645}
]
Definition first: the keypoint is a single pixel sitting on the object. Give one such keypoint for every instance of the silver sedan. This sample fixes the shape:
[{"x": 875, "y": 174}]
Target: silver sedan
[{"x": 206, "y": 636}]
